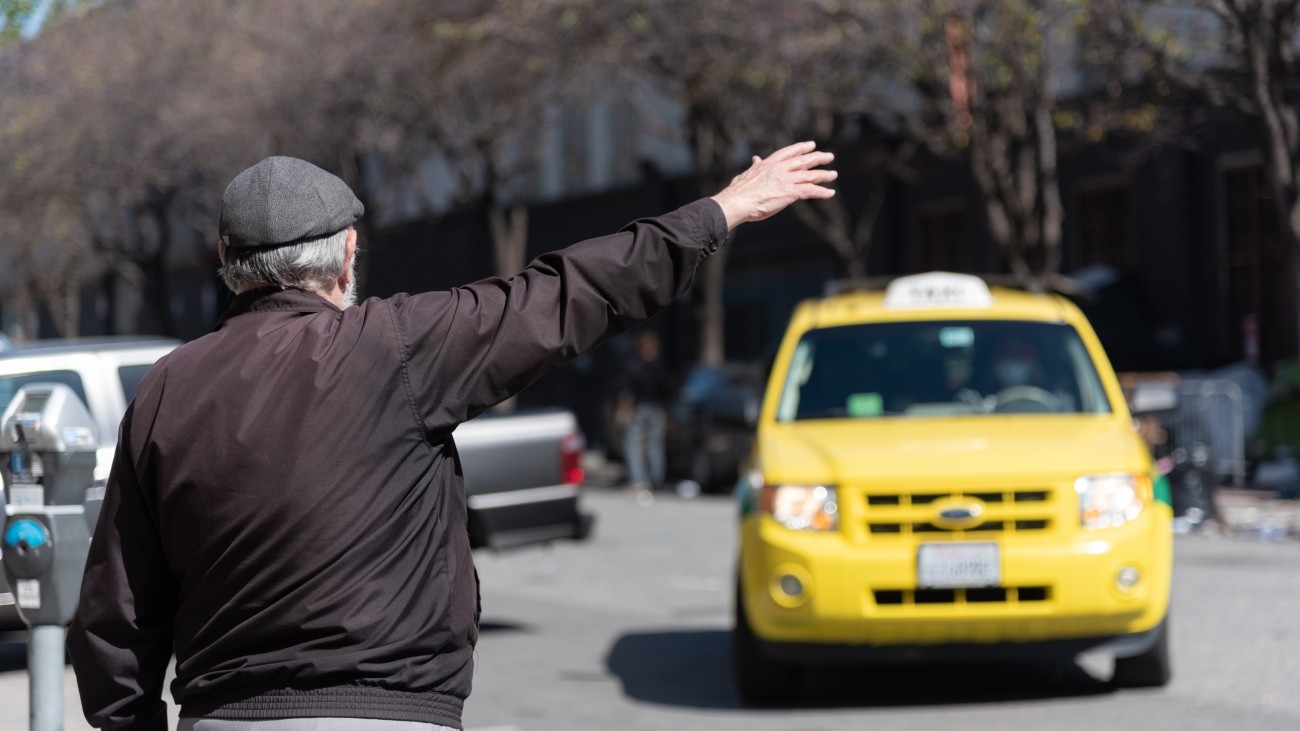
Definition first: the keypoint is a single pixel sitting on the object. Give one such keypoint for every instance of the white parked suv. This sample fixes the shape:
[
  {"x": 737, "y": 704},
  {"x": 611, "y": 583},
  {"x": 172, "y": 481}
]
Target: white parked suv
[{"x": 104, "y": 372}]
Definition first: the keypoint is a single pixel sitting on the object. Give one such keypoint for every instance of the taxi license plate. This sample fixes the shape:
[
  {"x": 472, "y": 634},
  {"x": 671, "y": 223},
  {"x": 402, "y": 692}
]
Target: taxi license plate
[{"x": 958, "y": 565}]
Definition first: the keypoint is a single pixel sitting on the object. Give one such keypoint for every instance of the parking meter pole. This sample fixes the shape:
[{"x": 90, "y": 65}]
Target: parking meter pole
[
  {"x": 47, "y": 455},
  {"x": 45, "y": 670}
]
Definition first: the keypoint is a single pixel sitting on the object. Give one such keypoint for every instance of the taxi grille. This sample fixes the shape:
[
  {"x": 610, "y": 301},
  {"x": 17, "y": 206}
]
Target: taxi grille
[
  {"x": 986, "y": 595},
  {"x": 1006, "y": 511}
]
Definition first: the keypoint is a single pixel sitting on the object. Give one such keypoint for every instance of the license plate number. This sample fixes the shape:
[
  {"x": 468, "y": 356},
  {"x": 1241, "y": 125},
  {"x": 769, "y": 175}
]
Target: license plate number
[{"x": 958, "y": 565}]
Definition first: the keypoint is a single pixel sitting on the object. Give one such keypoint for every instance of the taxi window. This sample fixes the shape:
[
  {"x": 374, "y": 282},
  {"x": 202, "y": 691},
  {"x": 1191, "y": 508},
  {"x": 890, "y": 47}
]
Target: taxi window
[
  {"x": 940, "y": 369},
  {"x": 9, "y": 385}
]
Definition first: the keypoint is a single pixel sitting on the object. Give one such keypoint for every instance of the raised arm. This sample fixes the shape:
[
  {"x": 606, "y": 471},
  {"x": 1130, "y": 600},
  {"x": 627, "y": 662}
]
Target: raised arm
[{"x": 474, "y": 346}]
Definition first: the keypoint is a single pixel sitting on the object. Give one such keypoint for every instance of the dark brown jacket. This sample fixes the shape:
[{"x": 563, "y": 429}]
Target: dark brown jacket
[{"x": 286, "y": 510}]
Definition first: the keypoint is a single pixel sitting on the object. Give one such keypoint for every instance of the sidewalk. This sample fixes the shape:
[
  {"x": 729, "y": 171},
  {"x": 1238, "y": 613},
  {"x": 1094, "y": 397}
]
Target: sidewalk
[{"x": 1258, "y": 514}]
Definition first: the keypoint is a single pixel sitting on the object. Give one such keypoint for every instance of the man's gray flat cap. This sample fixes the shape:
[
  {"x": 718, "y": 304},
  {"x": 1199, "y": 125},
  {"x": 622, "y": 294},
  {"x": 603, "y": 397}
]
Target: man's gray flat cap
[{"x": 284, "y": 200}]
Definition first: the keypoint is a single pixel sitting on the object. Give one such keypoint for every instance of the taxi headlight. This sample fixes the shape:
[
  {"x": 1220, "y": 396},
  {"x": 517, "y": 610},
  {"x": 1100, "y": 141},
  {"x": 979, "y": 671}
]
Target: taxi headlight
[
  {"x": 802, "y": 507},
  {"x": 1109, "y": 501}
]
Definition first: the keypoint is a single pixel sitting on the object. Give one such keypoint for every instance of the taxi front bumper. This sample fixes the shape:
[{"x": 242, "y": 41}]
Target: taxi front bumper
[
  {"x": 1054, "y": 589},
  {"x": 818, "y": 653}
]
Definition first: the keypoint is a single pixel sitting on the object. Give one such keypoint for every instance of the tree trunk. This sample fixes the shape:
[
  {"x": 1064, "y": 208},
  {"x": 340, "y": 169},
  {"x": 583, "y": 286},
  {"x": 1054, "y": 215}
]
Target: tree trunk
[
  {"x": 1276, "y": 119},
  {"x": 1295, "y": 282},
  {"x": 710, "y": 311},
  {"x": 1012, "y": 156},
  {"x": 64, "y": 302},
  {"x": 1287, "y": 195},
  {"x": 22, "y": 321},
  {"x": 711, "y": 147},
  {"x": 1051, "y": 214},
  {"x": 157, "y": 275},
  {"x": 830, "y": 220},
  {"x": 509, "y": 231}
]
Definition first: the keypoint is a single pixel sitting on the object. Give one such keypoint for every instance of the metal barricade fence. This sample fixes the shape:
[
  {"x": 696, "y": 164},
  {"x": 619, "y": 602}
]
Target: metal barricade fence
[{"x": 1210, "y": 425}]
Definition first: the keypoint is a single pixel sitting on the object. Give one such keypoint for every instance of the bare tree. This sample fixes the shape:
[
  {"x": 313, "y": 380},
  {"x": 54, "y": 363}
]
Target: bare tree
[
  {"x": 112, "y": 119},
  {"x": 706, "y": 60},
  {"x": 139, "y": 112},
  {"x": 984, "y": 92},
  {"x": 514, "y": 68},
  {"x": 828, "y": 64},
  {"x": 1240, "y": 56}
]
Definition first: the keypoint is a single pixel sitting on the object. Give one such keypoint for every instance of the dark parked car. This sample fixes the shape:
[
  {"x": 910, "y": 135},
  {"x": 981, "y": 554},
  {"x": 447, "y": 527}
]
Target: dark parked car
[{"x": 711, "y": 424}]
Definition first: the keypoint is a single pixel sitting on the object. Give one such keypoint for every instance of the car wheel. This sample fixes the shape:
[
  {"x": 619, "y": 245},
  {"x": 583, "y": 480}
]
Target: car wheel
[
  {"x": 760, "y": 680},
  {"x": 1150, "y": 669}
]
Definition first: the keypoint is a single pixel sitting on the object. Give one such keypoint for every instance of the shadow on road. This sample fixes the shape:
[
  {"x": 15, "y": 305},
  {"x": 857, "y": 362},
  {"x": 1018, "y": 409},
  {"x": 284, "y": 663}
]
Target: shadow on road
[
  {"x": 488, "y": 625},
  {"x": 692, "y": 668},
  {"x": 13, "y": 651}
]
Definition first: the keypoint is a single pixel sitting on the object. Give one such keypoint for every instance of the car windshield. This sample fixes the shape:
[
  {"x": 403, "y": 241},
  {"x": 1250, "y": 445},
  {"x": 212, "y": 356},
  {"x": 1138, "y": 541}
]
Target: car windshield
[
  {"x": 130, "y": 376},
  {"x": 950, "y": 368},
  {"x": 9, "y": 385}
]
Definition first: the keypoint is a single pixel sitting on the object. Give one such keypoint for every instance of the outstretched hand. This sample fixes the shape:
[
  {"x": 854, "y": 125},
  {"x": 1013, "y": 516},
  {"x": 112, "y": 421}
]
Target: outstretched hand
[{"x": 770, "y": 184}]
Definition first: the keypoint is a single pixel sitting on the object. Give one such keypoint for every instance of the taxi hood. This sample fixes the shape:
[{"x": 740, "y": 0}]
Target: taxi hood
[{"x": 972, "y": 450}]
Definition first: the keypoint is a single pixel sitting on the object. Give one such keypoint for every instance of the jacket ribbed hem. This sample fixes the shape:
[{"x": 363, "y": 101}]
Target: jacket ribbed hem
[{"x": 343, "y": 701}]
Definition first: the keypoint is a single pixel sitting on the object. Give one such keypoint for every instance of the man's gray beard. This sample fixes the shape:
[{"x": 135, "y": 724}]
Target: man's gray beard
[{"x": 350, "y": 292}]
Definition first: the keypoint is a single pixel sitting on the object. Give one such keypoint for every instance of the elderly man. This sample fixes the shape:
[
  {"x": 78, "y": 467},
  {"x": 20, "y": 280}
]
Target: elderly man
[{"x": 286, "y": 511}]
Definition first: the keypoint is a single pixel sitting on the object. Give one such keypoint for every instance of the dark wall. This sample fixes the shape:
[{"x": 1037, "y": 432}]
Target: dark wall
[{"x": 1167, "y": 311}]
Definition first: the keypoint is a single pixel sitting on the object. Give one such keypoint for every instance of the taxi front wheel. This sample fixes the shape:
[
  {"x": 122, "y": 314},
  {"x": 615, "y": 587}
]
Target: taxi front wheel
[
  {"x": 1149, "y": 669},
  {"x": 760, "y": 680}
]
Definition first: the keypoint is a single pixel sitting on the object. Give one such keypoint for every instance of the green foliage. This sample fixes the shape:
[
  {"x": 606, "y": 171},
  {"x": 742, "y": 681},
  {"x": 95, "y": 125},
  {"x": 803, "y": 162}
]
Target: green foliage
[
  {"x": 1279, "y": 431},
  {"x": 13, "y": 16}
]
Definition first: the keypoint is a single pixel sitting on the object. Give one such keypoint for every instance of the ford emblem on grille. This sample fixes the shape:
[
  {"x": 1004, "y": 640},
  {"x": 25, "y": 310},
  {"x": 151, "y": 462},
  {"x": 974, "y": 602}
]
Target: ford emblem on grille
[{"x": 958, "y": 513}]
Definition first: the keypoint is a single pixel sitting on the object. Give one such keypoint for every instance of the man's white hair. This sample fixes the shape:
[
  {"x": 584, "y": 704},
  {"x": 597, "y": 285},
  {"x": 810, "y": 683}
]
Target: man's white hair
[{"x": 314, "y": 265}]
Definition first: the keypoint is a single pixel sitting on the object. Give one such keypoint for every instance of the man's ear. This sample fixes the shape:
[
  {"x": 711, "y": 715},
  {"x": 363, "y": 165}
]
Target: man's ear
[{"x": 221, "y": 251}]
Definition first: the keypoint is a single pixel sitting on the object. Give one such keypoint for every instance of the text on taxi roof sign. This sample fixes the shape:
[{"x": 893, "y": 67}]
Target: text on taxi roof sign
[{"x": 937, "y": 289}]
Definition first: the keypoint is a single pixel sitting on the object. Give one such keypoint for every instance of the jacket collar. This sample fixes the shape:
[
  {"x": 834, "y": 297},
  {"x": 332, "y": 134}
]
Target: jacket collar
[{"x": 272, "y": 299}]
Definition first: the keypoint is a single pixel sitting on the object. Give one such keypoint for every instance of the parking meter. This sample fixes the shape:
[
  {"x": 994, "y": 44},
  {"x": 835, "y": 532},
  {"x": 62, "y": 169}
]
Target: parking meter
[
  {"x": 47, "y": 455},
  {"x": 47, "y": 452}
]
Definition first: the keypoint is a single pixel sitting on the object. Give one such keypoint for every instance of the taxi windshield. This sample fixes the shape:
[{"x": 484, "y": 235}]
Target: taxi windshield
[{"x": 948, "y": 368}]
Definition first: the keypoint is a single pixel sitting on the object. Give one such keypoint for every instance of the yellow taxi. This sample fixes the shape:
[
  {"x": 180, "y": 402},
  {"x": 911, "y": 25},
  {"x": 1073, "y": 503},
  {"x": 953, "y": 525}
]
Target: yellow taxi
[{"x": 947, "y": 470}]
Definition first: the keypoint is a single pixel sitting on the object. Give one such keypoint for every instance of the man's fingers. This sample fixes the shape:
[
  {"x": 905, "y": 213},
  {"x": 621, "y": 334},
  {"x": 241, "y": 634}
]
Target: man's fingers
[
  {"x": 811, "y": 160},
  {"x": 808, "y": 190},
  {"x": 815, "y": 176},
  {"x": 791, "y": 151}
]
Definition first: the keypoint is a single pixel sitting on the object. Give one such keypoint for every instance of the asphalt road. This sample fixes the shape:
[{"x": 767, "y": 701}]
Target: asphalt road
[{"x": 630, "y": 631}]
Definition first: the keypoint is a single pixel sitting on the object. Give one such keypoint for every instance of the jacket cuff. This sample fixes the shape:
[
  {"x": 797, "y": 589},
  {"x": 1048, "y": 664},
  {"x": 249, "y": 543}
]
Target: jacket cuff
[{"x": 710, "y": 225}]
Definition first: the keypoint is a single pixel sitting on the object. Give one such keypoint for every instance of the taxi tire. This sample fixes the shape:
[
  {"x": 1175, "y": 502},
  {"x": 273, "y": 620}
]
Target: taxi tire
[
  {"x": 1150, "y": 669},
  {"x": 760, "y": 680}
]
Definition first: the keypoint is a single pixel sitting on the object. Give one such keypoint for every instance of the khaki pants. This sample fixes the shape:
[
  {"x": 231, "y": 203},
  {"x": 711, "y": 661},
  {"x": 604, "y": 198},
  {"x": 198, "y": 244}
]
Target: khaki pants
[{"x": 306, "y": 724}]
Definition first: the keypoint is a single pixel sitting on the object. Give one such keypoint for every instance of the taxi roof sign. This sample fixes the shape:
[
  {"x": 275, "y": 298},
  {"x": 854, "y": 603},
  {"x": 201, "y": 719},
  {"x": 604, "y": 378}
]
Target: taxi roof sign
[{"x": 937, "y": 289}]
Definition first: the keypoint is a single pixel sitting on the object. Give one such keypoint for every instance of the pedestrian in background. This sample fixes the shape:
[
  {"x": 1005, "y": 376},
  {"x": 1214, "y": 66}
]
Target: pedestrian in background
[
  {"x": 643, "y": 399},
  {"x": 286, "y": 511}
]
